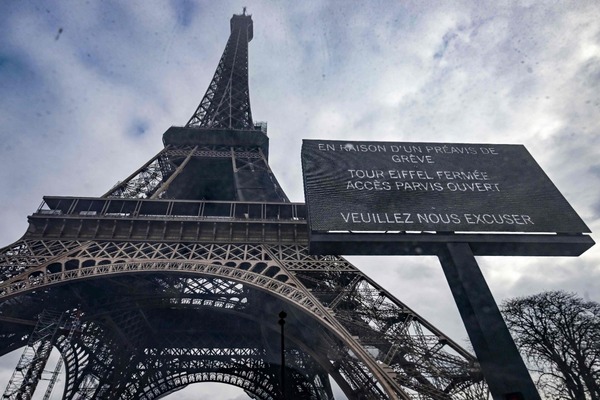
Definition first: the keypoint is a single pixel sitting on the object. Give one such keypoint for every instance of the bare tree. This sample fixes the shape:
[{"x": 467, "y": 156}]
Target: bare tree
[{"x": 559, "y": 334}]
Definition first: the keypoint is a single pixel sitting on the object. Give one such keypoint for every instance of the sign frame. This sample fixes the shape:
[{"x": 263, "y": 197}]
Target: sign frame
[{"x": 418, "y": 239}]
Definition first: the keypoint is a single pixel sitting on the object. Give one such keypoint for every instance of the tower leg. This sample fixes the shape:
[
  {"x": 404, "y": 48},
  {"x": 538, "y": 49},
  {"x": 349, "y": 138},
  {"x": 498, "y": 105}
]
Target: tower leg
[{"x": 29, "y": 370}]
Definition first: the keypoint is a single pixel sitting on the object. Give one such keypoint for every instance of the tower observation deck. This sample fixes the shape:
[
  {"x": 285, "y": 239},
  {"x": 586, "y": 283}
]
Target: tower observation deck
[{"x": 178, "y": 273}]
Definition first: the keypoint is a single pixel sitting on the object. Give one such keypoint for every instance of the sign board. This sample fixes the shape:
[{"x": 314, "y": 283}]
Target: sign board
[{"x": 442, "y": 187}]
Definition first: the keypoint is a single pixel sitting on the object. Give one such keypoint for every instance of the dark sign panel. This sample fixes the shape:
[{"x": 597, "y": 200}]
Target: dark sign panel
[{"x": 444, "y": 187}]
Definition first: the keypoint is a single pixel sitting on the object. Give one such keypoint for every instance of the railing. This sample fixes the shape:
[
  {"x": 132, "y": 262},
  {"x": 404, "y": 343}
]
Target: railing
[{"x": 95, "y": 207}]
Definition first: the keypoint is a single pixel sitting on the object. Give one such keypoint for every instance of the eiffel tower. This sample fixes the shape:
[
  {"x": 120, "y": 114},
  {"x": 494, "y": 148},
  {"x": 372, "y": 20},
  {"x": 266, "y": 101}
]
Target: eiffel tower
[{"x": 177, "y": 275}]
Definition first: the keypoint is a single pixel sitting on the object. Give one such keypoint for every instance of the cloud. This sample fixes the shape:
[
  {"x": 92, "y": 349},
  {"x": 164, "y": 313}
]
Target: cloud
[{"x": 84, "y": 111}]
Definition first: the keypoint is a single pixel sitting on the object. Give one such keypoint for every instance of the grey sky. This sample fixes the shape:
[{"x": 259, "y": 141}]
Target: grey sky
[{"x": 88, "y": 88}]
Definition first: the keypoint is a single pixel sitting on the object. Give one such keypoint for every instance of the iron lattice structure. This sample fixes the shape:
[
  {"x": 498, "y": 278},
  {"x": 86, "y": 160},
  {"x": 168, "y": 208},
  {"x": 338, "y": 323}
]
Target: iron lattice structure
[
  {"x": 178, "y": 273},
  {"x": 226, "y": 104}
]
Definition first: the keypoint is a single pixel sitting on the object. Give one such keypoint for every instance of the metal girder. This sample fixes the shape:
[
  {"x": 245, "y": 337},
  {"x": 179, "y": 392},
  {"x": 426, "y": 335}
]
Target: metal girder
[{"x": 30, "y": 367}]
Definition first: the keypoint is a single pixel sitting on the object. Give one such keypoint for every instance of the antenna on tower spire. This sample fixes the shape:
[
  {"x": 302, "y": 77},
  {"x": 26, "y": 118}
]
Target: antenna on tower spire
[{"x": 244, "y": 13}]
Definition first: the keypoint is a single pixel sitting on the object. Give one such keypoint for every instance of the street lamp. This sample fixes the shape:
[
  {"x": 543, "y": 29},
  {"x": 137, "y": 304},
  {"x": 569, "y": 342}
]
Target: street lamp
[{"x": 282, "y": 316}]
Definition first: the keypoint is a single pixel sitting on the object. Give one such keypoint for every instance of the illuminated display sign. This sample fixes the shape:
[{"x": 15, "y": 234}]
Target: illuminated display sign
[{"x": 443, "y": 187}]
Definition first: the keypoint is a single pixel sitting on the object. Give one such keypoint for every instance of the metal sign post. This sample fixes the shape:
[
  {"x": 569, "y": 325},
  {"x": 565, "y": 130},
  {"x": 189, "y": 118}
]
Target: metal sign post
[{"x": 501, "y": 363}]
